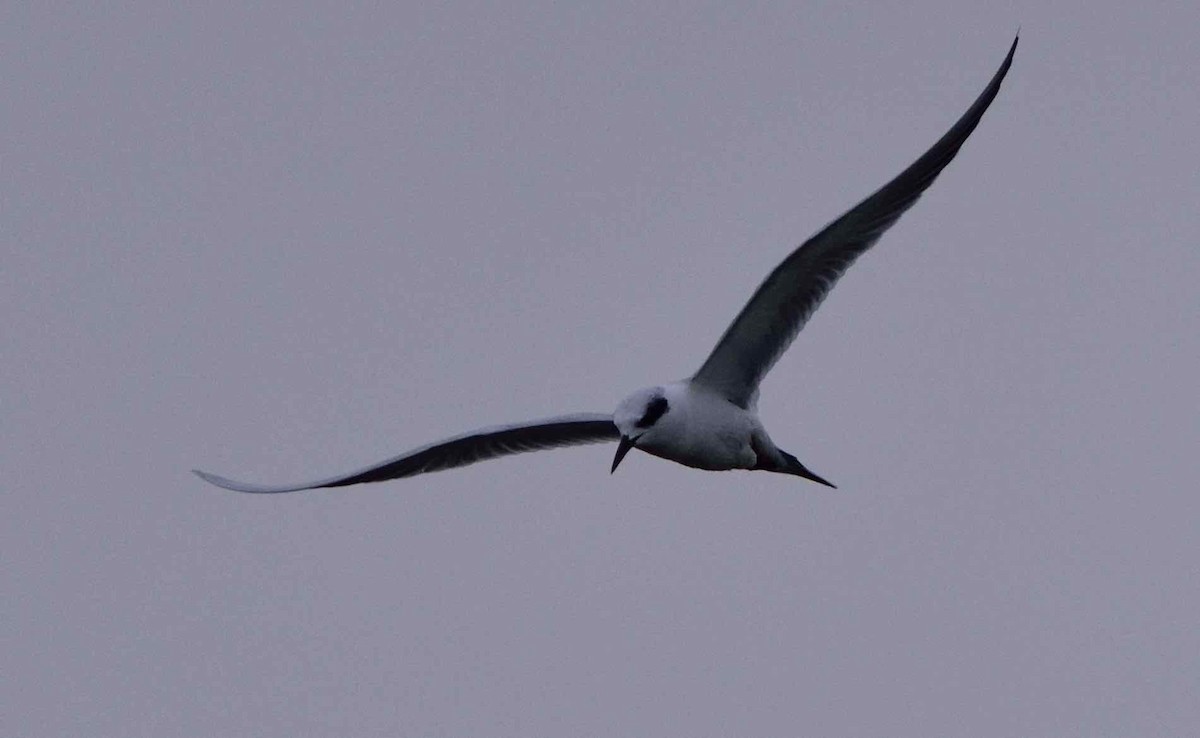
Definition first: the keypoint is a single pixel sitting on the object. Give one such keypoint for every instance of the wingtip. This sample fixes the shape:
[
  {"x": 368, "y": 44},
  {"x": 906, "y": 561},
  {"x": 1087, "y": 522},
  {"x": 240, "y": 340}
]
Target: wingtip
[
  {"x": 233, "y": 486},
  {"x": 216, "y": 481}
]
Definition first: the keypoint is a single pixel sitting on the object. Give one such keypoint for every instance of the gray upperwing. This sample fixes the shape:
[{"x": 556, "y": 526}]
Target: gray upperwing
[
  {"x": 468, "y": 448},
  {"x": 783, "y": 303}
]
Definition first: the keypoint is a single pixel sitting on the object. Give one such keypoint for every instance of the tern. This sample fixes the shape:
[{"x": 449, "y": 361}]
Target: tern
[{"x": 710, "y": 420}]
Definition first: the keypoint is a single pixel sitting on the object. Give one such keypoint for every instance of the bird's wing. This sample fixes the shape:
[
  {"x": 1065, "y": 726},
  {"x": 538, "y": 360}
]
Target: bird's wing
[
  {"x": 485, "y": 443},
  {"x": 787, "y": 298}
]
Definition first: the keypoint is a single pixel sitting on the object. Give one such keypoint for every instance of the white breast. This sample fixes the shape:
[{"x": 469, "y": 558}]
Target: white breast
[{"x": 702, "y": 430}]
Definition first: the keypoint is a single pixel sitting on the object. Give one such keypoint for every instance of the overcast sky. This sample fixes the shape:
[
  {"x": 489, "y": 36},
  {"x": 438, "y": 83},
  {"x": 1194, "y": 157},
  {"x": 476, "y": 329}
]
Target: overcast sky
[{"x": 282, "y": 243}]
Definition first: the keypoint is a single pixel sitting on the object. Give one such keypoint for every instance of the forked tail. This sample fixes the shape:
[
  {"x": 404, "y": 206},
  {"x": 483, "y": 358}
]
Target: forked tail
[{"x": 793, "y": 466}]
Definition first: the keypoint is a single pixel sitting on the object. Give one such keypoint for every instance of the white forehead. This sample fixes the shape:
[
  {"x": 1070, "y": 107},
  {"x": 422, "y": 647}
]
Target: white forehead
[{"x": 633, "y": 407}]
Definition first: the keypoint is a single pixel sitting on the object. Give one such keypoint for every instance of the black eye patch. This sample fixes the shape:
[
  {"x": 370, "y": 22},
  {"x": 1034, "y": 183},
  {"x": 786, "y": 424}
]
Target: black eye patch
[{"x": 654, "y": 411}]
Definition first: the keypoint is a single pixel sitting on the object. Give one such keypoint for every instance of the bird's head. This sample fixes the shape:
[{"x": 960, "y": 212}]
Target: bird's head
[{"x": 636, "y": 416}]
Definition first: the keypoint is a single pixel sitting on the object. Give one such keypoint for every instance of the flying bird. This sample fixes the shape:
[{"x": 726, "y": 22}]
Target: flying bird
[{"x": 710, "y": 420}]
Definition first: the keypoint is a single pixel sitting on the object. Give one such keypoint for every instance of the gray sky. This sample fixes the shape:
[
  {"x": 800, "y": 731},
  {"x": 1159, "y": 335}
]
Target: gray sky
[{"x": 280, "y": 244}]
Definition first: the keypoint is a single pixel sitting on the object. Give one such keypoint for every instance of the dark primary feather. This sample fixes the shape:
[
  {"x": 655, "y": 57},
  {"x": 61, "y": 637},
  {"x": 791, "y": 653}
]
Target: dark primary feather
[
  {"x": 468, "y": 448},
  {"x": 790, "y": 294}
]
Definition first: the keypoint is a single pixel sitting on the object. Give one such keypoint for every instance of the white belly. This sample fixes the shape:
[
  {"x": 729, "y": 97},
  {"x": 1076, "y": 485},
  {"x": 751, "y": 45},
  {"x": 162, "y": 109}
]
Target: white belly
[{"x": 703, "y": 431}]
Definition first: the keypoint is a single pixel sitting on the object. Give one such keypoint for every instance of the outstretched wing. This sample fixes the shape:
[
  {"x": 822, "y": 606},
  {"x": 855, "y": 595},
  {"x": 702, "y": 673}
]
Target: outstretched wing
[
  {"x": 468, "y": 448},
  {"x": 787, "y": 298}
]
